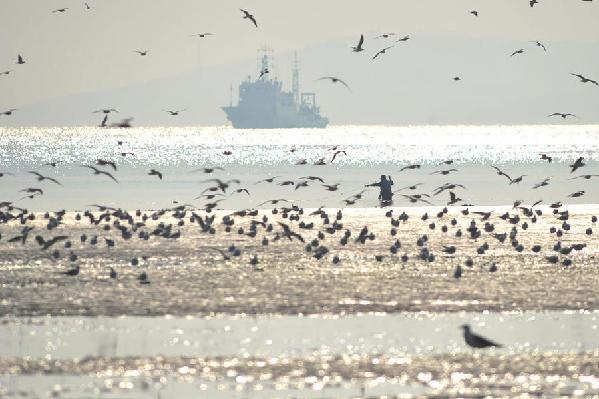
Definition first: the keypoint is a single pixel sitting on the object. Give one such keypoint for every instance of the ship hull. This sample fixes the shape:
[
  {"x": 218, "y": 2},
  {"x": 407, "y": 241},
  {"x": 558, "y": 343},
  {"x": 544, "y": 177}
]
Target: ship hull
[{"x": 250, "y": 120}]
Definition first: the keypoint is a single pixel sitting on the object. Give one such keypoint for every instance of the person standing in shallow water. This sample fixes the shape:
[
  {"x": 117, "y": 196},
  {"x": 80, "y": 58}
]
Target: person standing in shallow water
[{"x": 385, "y": 195}]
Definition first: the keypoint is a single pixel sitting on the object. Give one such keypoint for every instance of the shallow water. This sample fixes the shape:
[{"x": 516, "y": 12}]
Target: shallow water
[
  {"x": 319, "y": 329},
  {"x": 295, "y": 336},
  {"x": 259, "y": 154},
  {"x": 545, "y": 353}
]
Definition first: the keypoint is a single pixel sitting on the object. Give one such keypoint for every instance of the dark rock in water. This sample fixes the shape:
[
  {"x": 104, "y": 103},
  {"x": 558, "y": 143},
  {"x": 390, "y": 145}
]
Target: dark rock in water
[{"x": 589, "y": 231}]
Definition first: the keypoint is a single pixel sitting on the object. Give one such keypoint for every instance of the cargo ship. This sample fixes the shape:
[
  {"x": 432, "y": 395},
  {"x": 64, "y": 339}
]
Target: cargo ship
[{"x": 264, "y": 105}]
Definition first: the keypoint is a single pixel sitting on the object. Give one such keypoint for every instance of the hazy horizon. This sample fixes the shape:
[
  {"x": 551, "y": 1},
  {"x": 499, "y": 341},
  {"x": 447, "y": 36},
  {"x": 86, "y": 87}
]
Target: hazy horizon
[{"x": 75, "y": 65}]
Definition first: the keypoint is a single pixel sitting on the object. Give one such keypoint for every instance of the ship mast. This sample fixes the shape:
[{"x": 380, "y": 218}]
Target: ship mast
[
  {"x": 295, "y": 81},
  {"x": 265, "y": 61}
]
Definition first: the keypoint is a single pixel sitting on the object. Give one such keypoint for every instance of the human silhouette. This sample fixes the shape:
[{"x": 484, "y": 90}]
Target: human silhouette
[{"x": 385, "y": 195}]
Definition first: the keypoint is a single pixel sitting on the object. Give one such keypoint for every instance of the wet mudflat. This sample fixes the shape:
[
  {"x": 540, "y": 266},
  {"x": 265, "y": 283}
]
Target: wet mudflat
[
  {"x": 293, "y": 325},
  {"x": 189, "y": 276}
]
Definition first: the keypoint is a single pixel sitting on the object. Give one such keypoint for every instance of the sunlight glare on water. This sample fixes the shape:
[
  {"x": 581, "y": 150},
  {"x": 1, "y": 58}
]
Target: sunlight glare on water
[{"x": 365, "y": 145}]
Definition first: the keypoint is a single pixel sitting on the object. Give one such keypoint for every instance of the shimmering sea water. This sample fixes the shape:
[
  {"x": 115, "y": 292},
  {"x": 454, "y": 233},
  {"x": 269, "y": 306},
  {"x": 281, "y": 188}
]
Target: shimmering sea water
[
  {"x": 374, "y": 322},
  {"x": 258, "y": 154}
]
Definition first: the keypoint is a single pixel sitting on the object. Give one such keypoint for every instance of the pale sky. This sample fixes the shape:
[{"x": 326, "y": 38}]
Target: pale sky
[{"x": 81, "y": 60}]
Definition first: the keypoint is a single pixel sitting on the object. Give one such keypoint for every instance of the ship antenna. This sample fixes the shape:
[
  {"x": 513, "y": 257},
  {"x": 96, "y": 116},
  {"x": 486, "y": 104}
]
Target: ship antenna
[
  {"x": 231, "y": 95},
  {"x": 295, "y": 81}
]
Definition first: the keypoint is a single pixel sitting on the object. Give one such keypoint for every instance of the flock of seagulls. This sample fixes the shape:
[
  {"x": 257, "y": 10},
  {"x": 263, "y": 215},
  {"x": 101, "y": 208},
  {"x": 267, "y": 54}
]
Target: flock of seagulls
[
  {"x": 136, "y": 225},
  {"x": 358, "y": 48}
]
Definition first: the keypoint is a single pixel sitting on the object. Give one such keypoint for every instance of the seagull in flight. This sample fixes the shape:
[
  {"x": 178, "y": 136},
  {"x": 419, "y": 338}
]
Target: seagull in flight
[
  {"x": 474, "y": 12},
  {"x": 154, "y": 172},
  {"x": 539, "y": 44},
  {"x": 542, "y": 184},
  {"x": 203, "y": 34},
  {"x": 501, "y": 173},
  {"x": 584, "y": 80},
  {"x": 263, "y": 72},
  {"x": 337, "y": 153},
  {"x": 60, "y": 9},
  {"x": 383, "y": 51},
  {"x": 9, "y": 112},
  {"x": 545, "y": 157},
  {"x": 403, "y": 39},
  {"x": 103, "y": 162},
  {"x": 335, "y": 80},
  {"x": 20, "y": 60},
  {"x": 174, "y": 112},
  {"x": 533, "y": 2},
  {"x": 587, "y": 177},
  {"x": 142, "y": 52},
  {"x": 41, "y": 177},
  {"x": 358, "y": 48},
  {"x": 105, "y": 110},
  {"x": 578, "y": 164},
  {"x": 385, "y": 35},
  {"x": 564, "y": 116},
  {"x": 99, "y": 172},
  {"x": 6, "y": 72},
  {"x": 517, "y": 52},
  {"x": 249, "y": 16}
]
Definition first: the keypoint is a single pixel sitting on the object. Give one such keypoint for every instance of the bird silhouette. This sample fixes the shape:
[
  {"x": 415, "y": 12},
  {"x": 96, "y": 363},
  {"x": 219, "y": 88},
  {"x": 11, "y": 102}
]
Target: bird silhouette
[
  {"x": 383, "y": 51},
  {"x": 564, "y": 116},
  {"x": 105, "y": 110},
  {"x": 358, "y": 48},
  {"x": 584, "y": 80},
  {"x": 154, "y": 172},
  {"x": 174, "y": 112},
  {"x": 103, "y": 162},
  {"x": 247, "y": 15},
  {"x": 100, "y": 172},
  {"x": 41, "y": 177},
  {"x": 539, "y": 44},
  {"x": 577, "y": 165},
  {"x": 477, "y": 341},
  {"x": 335, "y": 80}
]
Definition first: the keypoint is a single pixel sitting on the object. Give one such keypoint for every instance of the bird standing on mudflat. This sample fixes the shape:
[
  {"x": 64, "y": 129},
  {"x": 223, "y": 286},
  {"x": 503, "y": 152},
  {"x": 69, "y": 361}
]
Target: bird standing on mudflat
[{"x": 477, "y": 341}]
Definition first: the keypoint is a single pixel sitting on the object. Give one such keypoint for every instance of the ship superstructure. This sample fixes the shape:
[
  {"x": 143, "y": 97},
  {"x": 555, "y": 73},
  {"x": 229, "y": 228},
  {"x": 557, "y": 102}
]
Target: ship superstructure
[{"x": 264, "y": 105}]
